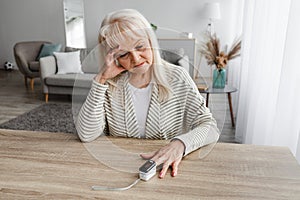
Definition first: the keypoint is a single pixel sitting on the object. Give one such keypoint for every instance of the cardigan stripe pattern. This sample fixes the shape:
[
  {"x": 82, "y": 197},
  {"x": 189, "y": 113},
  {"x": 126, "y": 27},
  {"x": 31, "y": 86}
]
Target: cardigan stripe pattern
[{"x": 184, "y": 116}]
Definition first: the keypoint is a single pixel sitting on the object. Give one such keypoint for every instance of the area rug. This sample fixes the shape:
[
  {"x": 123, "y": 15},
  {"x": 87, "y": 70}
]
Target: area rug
[{"x": 49, "y": 117}]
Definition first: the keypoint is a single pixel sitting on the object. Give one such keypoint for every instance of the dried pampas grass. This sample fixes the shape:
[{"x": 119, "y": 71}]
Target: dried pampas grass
[{"x": 211, "y": 49}]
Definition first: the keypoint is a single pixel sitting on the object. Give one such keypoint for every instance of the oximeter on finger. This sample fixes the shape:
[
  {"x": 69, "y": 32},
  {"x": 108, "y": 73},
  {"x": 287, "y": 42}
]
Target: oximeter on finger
[{"x": 147, "y": 170}]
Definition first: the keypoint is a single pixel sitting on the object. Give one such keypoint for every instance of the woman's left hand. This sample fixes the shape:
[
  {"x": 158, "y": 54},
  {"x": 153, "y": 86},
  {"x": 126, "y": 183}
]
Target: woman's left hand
[{"x": 169, "y": 155}]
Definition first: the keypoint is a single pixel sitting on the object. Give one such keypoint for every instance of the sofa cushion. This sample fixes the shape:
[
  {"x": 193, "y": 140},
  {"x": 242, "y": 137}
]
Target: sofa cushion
[
  {"x": 70, "y": 80},
  {"x": 48, "y": 50},
  {"x": 34, "y": 66},
  {"x": 83, "y": 52},
  {"x": 68, "y": 62},
  {"x": 172, "y": 55},
  {"x": 184, "y": 62}
]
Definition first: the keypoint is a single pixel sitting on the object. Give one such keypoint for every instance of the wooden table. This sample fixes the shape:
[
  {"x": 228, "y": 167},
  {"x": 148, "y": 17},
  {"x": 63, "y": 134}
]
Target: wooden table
[
  {"x": 227, "y": 90},
  {"x": 36, "y": 165}
]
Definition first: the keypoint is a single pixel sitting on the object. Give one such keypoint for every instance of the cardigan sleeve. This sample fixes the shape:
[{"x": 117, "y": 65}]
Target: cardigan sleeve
[
  {"x": 203, "y": 127},
  {"x": 204, "y": 134},
  {"x": 90, "y": 122}
]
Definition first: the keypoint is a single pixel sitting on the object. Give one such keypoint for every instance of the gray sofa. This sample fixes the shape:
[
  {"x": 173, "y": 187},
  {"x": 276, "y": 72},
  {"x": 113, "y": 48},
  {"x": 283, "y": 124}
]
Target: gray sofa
[
  {"x": 79, "y": 84},
  {"x": 53, "y": 83}
]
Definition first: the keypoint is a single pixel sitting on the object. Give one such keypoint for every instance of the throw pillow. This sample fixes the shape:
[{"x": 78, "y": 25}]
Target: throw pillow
[
  {"x": 184, "y": 62},
  {"x": 48, "y": 50},
  {"x": 172, "y": 55},
  {"x": 83, "y": 52},
  {"x": 68, "y": 62}
]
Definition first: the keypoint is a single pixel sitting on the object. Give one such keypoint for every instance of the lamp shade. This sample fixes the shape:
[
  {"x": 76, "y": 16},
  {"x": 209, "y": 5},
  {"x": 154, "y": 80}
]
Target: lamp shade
[{"x": 211, "y": 11}]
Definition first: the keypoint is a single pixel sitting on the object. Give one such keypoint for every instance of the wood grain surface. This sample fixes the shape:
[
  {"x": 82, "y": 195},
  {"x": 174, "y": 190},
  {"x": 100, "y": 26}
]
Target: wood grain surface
[{"x": 41, "y": 165}]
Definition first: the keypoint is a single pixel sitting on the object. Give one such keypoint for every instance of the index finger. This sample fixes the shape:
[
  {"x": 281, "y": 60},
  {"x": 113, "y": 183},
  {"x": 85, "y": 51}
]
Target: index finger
[
  {"x": 111, "y": 54},
  {"x": 158, "y": 159}
]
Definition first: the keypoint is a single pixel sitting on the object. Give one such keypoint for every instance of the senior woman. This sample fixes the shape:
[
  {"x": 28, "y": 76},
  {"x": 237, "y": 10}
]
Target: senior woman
[{"x": 137, "y": 94}]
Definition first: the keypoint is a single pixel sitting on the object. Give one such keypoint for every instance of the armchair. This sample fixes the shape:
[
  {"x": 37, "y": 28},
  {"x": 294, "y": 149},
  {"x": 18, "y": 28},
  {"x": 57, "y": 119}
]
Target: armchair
[{"x": 25, "y": 56}]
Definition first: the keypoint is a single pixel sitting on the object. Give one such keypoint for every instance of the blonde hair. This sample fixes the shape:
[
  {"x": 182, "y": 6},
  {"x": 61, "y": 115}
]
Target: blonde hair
[{"x": 120, "y": 25}]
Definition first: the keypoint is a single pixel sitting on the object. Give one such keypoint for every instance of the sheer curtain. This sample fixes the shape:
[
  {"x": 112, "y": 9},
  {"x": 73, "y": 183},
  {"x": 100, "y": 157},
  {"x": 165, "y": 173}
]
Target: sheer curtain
[{"x": 269, "y": 96}]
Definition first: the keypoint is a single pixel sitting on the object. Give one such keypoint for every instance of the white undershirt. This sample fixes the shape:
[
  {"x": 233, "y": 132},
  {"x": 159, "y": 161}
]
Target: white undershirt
[{"x": 141, "y": 100}]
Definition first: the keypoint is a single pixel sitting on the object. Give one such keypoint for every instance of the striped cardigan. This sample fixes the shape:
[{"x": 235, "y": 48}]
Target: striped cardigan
[{"x": 184, "y": 116}]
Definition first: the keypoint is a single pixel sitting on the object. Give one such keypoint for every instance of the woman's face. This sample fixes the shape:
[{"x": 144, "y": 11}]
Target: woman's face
[{"x": 135, "y": 55}]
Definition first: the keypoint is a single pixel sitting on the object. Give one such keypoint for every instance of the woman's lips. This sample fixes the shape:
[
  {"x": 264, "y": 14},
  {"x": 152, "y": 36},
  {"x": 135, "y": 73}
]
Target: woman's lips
[{"x": 139, "y": 65}]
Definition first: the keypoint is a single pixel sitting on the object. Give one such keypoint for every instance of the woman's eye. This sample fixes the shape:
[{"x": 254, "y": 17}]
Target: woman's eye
[
  {"x": 123, "y": 55},
  {"x": 139, "y": 47}
]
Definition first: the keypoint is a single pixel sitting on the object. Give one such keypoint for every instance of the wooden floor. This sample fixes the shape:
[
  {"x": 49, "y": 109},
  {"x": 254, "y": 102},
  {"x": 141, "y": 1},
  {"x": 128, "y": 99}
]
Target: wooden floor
[{"x": 16, "y": 99}]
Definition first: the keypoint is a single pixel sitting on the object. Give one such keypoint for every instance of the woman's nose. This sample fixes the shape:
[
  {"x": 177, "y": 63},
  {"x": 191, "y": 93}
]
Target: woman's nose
[{"x": 135, "y": 56}]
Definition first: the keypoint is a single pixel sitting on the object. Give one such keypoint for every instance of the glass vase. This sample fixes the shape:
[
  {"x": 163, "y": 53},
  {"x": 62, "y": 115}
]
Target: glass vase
[{"x": 219, "y": 78}]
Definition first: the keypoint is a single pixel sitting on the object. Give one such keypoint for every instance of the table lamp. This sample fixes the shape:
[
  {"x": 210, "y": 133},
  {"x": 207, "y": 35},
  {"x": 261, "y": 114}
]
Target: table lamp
[{"x": 212, "y": 12}]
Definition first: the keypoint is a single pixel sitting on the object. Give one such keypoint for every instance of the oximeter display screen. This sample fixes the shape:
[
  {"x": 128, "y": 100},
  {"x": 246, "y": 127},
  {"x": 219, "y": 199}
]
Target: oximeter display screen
[{"x": 147, "y": 166}]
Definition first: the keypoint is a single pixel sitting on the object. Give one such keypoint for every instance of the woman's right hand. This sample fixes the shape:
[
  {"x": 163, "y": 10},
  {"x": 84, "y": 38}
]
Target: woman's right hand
[{"x": 110, "y": 68}]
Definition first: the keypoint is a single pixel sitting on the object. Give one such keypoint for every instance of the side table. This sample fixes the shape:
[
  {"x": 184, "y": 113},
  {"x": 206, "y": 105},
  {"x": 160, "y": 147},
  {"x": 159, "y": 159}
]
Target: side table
[{"x": 228, "y": 90}]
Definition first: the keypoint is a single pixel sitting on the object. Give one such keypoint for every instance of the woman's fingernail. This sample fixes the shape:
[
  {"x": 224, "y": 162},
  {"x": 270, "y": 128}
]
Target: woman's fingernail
[
  {"x": 160, "y": 175},
  {"x": 173, "y": 173}
]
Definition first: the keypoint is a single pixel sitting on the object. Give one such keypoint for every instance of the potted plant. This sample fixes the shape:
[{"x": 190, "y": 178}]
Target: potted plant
[{"x": 211, "y": 49}]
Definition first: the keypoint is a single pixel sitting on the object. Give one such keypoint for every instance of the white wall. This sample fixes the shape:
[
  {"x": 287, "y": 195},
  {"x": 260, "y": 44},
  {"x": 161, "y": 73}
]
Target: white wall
[
  {"x": 25, "y": 20},
  {"x": 22, "y": 20}
]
